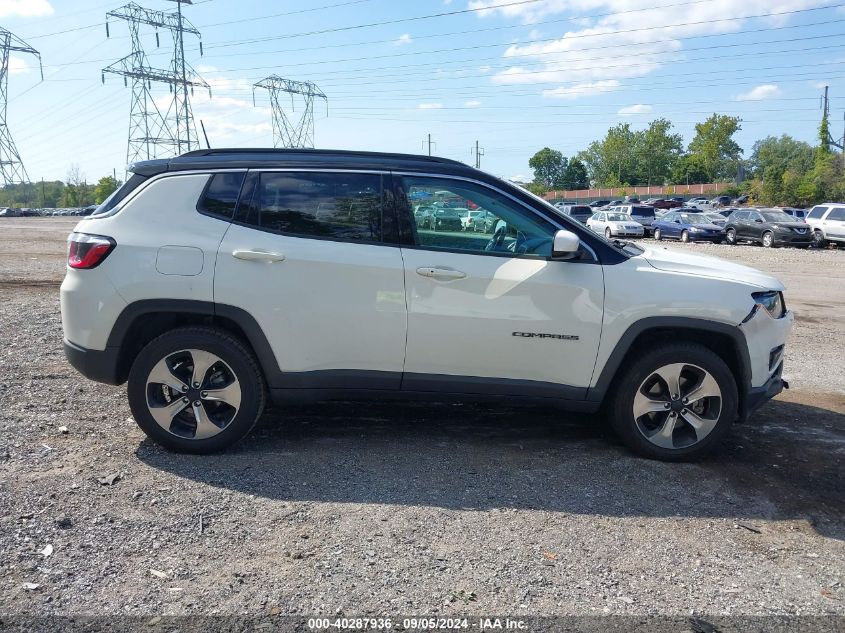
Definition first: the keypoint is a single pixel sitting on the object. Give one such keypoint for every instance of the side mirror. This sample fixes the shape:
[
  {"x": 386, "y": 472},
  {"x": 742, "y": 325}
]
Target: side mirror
[
  {"x": 759, "y": 220},
  {"x": 565, "y": 245}
]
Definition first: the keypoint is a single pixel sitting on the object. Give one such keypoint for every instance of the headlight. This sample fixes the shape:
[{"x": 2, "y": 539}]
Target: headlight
[
  {"x": 772, "y": 301},
  {"x": 695, "y": 229}
]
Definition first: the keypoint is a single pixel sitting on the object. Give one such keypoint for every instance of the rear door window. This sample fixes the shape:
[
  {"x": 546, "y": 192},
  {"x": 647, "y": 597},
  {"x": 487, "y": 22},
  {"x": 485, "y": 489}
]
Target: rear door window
[
  {"x": 837, "y": 213},
  {"x": 341, "y": 206},
  {"x": 221, "y": 195}
]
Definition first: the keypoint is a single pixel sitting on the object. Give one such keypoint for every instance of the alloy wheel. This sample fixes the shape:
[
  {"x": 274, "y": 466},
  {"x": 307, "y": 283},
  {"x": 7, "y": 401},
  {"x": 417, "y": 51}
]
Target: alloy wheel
[
  {"x": 685, "y": 236},
  {"x": 730, "y": 236},
  {"x": 193, "y": 394},
  {"x": 607, "y": 233},
  {"x": 768, "y": 239},
  {"x": 677, "y": 406},
  {"x": 658, "y": 235}
]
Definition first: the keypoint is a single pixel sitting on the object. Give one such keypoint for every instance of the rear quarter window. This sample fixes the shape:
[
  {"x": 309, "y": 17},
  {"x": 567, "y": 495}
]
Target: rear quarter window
[{"x": 837, "y": 213}]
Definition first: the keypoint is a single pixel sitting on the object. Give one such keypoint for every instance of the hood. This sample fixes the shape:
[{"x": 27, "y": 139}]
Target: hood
[
  {"x": 706, "y": 266},
  {"x": 790, "y": 225}
]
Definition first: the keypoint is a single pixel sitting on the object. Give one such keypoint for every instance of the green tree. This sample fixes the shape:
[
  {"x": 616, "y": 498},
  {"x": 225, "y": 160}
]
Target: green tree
[
  {"x": 576, "y": 174},
  {"x": 715, "y": 147},
  {"x": 657, "y": 151},
  {"x": 104, "y": 188},
  {"x": 549, "y": 167},
  {"x": 689, "y": 170},
  {"x": 784, "y": 153}
]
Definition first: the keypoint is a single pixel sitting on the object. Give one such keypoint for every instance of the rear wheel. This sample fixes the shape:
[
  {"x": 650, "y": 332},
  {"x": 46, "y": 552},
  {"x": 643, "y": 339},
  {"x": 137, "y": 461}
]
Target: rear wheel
[
  {"x": 730, "y": 236},
  {"x": 196, "y": 390},
  {"x": 674, "y": 403}
]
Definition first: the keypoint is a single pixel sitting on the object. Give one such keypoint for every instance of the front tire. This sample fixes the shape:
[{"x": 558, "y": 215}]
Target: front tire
[
  {"x": 730, "y": 236},
  {"x": 819, "y": 239},
  {"x": 196, "y": 390},
  {"x": 768, "y": 239},
  {"x": 674, "y": 403},
  {"x": 608, "y": 233},
  {"x": 685, "y": 236},
  {"x": 658, "y": 235}
]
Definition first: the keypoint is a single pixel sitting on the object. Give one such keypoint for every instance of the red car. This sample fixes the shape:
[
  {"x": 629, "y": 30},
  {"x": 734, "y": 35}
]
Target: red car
[{"x": 663, "y": 203}]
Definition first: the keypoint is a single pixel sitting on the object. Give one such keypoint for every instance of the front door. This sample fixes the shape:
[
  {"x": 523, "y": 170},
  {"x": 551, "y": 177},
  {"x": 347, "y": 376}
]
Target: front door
[
  {"x": 308, "y": 257},
  {"x": 494, "y": 312}
]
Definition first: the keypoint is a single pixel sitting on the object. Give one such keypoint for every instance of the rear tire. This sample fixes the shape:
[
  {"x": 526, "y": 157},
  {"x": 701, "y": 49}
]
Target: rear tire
[
  {"x": 702, "y": 369},
  {"x": 228, "y": 401}
]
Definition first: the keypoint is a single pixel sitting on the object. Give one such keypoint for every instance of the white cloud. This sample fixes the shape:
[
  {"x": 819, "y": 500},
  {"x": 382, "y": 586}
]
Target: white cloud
[
  {"x": 403, "y": 39},
  {"x": 472, "y": 104},
  {"x": 25, "y": 8},
  {"x": 520, "y": 178},
  {"x": 759, "y": 93},
  {"x": 17, "y": 66},
  {"x": 583, "y": 89},
  {"x": 638, "y": 108},
  {"x": 430, "y": 106},
  {"x": 650, "y": 36}
]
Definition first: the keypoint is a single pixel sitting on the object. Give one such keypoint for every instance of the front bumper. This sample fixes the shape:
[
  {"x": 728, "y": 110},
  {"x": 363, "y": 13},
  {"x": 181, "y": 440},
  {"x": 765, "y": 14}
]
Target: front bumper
[
  {"x": 794, "y": 239},
  {"x": 758, "y": 396},
  {"x": 98, "y": 365}
]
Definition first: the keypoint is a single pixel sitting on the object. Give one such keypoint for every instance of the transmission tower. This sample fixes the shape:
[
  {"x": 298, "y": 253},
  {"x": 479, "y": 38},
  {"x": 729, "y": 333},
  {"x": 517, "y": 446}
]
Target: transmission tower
[
  {"x": 11, "y": 166},
  {"x": 285, "y": 133},
  {"x": 153, "y": 134}
]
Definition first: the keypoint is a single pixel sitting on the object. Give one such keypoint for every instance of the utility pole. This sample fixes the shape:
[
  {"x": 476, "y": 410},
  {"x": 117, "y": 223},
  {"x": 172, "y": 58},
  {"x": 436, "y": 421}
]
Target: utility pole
[
  {"x": 825, "y": 114},
  {"x": 285, "y": 133},
  {"x": 479, "y": 152},
  {"x": 151, "y": 133},
  {"x": 11, "y": 165}
]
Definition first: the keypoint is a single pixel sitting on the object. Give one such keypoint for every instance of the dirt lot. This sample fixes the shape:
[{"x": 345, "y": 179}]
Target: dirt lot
[{"x": 413, "y": 509}]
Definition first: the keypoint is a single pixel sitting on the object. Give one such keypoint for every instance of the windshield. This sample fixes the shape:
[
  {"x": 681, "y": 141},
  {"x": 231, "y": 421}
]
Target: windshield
[
  {"x": 618, "y": 217},
  {"x": 694, "y": 218},
  {"x": 777, "y": 216},
  {"x": 447, "y": 213},
  {"x": 644, "y": 212}
]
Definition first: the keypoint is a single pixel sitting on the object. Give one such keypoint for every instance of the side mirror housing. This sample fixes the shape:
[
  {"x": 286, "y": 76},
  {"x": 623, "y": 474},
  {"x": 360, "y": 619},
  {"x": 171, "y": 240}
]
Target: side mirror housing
[{"x": 566, "y": 245}]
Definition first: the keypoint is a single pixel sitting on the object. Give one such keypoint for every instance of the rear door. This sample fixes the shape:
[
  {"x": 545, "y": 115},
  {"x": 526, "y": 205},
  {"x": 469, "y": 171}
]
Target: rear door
[
  {"x": 834, "y": 223},
  {"x": 312, "y": 257}
]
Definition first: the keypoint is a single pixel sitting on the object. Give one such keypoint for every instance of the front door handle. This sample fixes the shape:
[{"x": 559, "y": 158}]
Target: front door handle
[
  {"x": 442, "y": 274},
  {"x": 258, "y": 256}
]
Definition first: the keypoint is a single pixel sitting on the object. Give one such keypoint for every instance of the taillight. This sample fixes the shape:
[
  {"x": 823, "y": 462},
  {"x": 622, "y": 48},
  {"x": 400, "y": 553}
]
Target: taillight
[{"x": 88, "y": 251}]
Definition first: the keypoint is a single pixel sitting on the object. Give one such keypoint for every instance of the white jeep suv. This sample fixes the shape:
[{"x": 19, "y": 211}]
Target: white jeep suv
[
  {"x": 218, "y": 278},
  {"x": 827, "y": 222}
]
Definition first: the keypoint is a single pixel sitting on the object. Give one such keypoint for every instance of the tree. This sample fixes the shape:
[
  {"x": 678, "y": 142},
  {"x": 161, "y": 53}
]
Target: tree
[
  {"x": 657, "y": 151},
  {"x": 576, "y": 174},
  {"x": 715, "y": 147},
  {"x": 549, "y": 167},
  {"x": 104, "y": 188},
  {"x": 783, "y": 153},
  {"x": 689, "y": 170}
]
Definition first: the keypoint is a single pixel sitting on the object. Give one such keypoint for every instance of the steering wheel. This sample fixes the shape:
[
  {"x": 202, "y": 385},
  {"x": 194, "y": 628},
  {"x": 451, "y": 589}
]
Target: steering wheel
[{"x": 497, "y": 242}]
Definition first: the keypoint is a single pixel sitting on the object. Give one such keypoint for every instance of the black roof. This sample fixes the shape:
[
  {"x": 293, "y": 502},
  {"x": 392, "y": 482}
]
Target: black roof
[{"x": 269, "y": 157}]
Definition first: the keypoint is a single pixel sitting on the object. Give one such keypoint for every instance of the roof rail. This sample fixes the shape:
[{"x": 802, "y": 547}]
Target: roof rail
[{"x": 272, "y": 150}]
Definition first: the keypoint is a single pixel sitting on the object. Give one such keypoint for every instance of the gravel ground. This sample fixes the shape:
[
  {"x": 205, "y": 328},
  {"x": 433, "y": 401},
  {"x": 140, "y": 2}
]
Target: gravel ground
[{"x": 412, "y": 509}]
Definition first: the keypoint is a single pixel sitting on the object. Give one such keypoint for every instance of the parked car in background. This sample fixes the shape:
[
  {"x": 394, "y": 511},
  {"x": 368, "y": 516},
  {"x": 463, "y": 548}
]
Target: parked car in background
[
  {"x": 7, "y": 212},
  {"x": 613, "y": 224},
  {"x": 632, "y": 200},
  {"x": 580, "y": 212},
  {"x": 687, "y": 227},
  {"x": 639, "y": 212},
  {"x": 716, "y": 218},
  {"x": 743, "y": 199},
  {"x": 799, "y": 214},
  {"x": 484, "y": 222},
  {"x": 769, "y": 227},
  {"x": 663, "y": 203},
  {"x": 827, "y": 223},
  {"x": 597, "y": 204},
  {"x": 721, "y": 201},
  {"x": 444, "y": 219}
]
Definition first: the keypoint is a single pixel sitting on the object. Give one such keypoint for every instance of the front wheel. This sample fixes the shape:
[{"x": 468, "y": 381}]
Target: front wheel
[
  {"x": 685, "y": 236},
  {"x": 768, "y": 239},
  {"x": 819, "y": 240},
  {"x": 730, "y": 236},
  {"x": 196, "y": 390},
  {"x": 658, "y": 235},
  {"x": 674, "y": 403},
  {"x": 607, "y": 233}
]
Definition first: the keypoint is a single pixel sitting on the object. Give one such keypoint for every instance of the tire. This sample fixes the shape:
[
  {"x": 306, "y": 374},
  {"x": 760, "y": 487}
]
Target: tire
[
  {"x": 658, "y": 235},
  {"x": 819, "y": 239},
  {"x": 730, "y": 236},
  {"x": 768, "y": 239},
  {"x": 695, "y": 359},
  {"x": 685, "y": 236},
  {"x": 608, "y": 233},
  {"x": 228, "y": 415}
]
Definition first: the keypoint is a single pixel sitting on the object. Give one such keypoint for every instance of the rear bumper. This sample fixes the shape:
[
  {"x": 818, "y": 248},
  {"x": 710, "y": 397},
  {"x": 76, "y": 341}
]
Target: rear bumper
[{"x": 99, "y": 365}]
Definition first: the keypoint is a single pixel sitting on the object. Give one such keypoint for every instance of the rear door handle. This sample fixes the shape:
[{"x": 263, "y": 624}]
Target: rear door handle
[
  {"x": 442, "y": 274},
  {"x": 258, "y": 256}
]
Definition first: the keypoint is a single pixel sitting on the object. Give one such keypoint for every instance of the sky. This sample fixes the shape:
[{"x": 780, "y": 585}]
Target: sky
[{"x": 513, "y": 75}]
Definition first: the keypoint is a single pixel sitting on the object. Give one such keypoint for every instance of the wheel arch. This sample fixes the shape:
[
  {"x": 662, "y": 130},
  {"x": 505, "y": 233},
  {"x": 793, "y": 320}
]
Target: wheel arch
[
  {"x": 727, "y": 341},
  {"x": 142, "y": 321}
]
